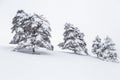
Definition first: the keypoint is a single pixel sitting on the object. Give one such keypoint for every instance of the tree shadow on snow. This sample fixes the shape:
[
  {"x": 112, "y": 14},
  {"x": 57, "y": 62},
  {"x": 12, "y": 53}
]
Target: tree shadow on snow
[
  {"x": 68, "y": 52},
  {"x": 37, "y": 52}
]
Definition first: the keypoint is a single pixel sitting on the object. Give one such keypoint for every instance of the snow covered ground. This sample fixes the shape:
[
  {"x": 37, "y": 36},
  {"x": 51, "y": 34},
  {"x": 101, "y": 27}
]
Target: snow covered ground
[{"x": 55, "y": 65}]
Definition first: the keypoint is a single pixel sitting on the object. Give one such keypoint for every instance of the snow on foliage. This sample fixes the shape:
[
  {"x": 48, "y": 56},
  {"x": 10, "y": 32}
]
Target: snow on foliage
[
  {"x": 105, "y": 50},
  {"x": 31, "y": 31},
  {"x": 73, "y": 40}
]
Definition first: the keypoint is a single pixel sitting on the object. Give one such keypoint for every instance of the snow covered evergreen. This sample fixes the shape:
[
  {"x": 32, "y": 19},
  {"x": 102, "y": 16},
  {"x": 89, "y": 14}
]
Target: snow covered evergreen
[
  {"x": 105, "y": 50},
  {"x": 73, "y": 40},
  {"x": 31, "y": 31},
  {"x": 109, "y": 51}
]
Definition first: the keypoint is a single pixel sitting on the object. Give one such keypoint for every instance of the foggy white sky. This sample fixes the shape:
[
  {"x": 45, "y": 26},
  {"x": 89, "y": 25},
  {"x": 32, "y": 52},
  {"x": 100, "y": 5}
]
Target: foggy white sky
[{"x": 91, "y": 16}]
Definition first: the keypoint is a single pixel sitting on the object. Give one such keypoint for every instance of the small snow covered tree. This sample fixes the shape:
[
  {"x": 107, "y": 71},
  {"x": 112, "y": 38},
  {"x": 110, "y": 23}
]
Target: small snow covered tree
[
  {"x": 35, "y": 33},
  {"x": 108, "y": 50},
  {"x": 96, "y": 47},
  {"x": 73, "y": 40},
  {"x": 105, "y": 50}
]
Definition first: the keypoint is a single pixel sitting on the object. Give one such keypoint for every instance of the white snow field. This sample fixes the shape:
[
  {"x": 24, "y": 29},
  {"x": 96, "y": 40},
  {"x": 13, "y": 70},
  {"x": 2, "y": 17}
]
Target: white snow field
[
  {"x": 92, "y": 17},
  {"x": 54, "y": 66}
]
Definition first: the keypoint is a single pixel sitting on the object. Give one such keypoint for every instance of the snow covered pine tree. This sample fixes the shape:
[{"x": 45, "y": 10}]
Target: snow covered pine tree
[
  {"x": 108, "y": 50},
  {"x": 31, "y": 32},
  {"x": 73, "y": 40},
  {"x": 105, "y": 50},
  {"x": 96, "y": 47}
]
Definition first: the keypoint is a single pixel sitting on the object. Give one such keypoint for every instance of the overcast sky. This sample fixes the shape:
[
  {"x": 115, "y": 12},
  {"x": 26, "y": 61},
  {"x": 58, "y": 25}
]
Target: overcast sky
[{"x": 92, "y": 17}]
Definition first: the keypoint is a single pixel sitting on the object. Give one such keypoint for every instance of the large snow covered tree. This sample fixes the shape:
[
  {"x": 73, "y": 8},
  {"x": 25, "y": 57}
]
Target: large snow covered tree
[
  {"x": 38, "y": 33},
  {"x": 105, "y": 50},
  {"x": 35, "y": 31},
  {"x": 73, "y": 40}
]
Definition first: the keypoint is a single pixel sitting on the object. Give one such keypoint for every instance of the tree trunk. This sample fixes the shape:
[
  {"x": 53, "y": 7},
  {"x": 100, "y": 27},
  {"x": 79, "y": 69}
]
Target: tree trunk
[
  {"x": 33, "y": 50},
  {"x": 75, "y": 51},
  {"x": 86, "y": 51}
]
